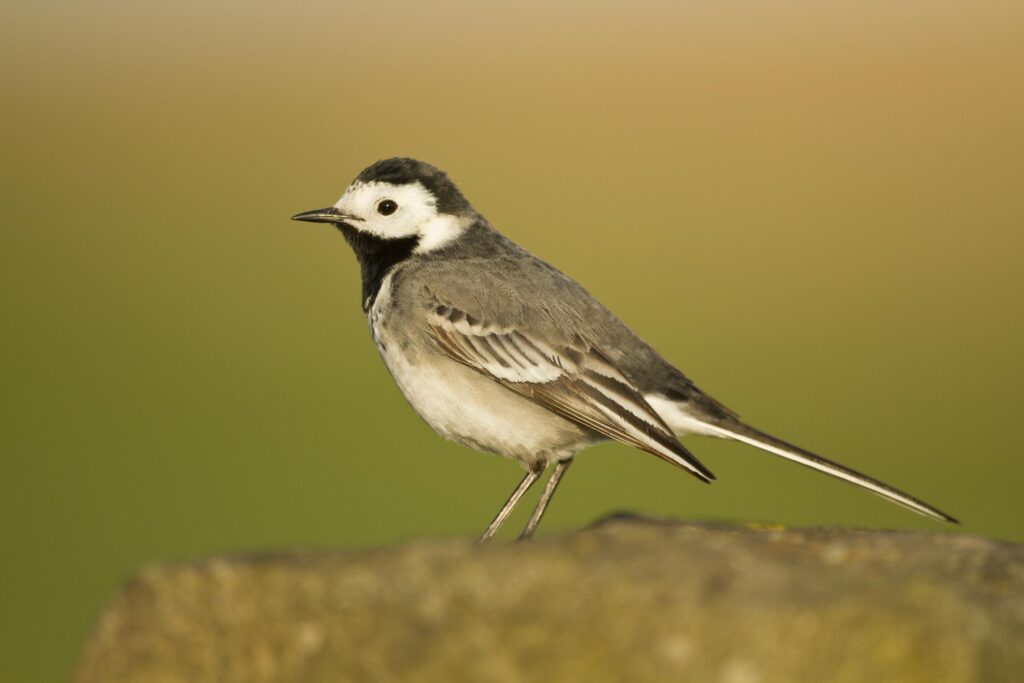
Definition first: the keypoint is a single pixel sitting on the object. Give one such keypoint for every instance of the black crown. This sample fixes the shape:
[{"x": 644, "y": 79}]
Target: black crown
[{"x": 403, "y": 171}]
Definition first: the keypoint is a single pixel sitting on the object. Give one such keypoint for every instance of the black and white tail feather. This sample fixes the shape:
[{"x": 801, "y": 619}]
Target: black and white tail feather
[{"x": 738, "y": 431}]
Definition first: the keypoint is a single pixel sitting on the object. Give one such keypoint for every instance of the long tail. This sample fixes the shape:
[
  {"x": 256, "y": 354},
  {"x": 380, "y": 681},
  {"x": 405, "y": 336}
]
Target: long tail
[{"x": 733, "y": 429}]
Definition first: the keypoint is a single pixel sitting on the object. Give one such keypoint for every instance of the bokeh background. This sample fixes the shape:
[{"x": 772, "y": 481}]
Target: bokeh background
[{"x": 815, "y": 209}]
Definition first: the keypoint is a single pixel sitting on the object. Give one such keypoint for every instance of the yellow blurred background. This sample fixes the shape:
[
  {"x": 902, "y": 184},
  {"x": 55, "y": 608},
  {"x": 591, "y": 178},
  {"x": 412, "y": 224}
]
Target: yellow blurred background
[{"x": 814, "y": 209}]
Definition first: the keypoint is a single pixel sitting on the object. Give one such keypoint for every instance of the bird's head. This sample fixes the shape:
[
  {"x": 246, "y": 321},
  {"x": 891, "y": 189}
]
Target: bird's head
[{"x": 396, "y": 200}]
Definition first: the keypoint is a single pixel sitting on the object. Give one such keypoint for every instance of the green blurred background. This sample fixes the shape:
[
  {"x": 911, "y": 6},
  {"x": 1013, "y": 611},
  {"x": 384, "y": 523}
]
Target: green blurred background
[{"x": 816, "y": 211}]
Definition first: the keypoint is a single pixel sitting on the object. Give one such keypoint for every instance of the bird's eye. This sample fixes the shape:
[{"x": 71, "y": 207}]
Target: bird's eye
[{"x": 387, "y": 207}]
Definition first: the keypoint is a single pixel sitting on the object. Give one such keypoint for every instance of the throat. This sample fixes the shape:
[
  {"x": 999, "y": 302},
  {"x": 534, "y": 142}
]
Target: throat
[{"x": 376, "y": 257}]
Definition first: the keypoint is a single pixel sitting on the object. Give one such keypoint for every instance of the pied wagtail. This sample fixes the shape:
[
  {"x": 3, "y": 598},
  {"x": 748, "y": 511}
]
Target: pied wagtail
[{"x": 498, "y": 351}]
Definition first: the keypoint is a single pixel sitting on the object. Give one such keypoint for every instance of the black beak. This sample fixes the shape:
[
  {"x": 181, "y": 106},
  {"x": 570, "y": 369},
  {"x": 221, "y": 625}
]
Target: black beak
[{"x": 326, "y": 215}]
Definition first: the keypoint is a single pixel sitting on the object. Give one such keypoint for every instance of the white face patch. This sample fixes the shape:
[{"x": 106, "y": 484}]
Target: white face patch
[{"x": 416, "y": 215}]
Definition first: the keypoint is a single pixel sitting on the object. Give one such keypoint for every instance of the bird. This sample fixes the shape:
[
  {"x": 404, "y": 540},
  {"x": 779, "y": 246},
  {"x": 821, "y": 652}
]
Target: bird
[{"x": 498, "y": 351}]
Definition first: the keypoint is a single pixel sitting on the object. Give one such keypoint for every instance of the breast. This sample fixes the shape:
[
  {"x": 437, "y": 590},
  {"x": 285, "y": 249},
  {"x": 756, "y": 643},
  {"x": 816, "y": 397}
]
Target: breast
[{"x": 465, "y": 406}]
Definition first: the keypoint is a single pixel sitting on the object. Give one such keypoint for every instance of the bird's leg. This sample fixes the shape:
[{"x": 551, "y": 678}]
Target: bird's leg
[
  {"x": 531, "y": 476},
  {"x": 549, "y": 490}
]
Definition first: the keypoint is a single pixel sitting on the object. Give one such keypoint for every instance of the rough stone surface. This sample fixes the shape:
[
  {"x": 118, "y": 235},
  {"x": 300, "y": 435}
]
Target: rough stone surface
[{"x": 625, "y": 600}]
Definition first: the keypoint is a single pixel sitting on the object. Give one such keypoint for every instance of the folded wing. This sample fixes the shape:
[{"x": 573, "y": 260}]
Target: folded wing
[{"x": 573, "y": 379}]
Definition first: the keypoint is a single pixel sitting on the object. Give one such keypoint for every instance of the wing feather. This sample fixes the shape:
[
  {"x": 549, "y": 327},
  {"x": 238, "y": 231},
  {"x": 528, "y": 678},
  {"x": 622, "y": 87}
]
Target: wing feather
[{"x": 574, "y": 380}]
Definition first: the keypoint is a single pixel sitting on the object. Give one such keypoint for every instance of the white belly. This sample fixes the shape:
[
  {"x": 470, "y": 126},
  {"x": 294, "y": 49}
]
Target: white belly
[{"x": 464, "y": 406}]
